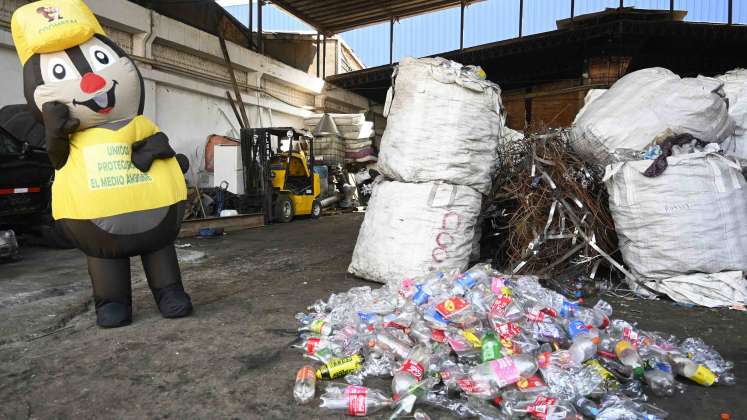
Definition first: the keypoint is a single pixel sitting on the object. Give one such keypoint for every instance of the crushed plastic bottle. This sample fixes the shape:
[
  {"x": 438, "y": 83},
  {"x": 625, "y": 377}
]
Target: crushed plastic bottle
[
  {"x": 356, "y": 401},
  {"x": 659, "y": 378},
  {"x": 305, "y": 387},
  {"x": 481, "y": 344},
  {"x": 411, "y": 372},
  {"x": 337, "y": 368}
]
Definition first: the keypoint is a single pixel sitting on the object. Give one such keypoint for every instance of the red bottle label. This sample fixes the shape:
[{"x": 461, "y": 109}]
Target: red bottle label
[
  {"x": 535, "y": 316},
  {"x": 438, "y": 335},
  {"x": 469, "y": 386},
  {"x": 356, "y": 400},
  {"x": 540, "y": 408},
  {"x": 498, "y": 308},
  {"x": 631, "y": 336},
  {"x": 507, "y": 330},
  {"x": 311, "y": 344},
  {"x": 413, "y": 368},
  {"x": 451, "y": 306}
]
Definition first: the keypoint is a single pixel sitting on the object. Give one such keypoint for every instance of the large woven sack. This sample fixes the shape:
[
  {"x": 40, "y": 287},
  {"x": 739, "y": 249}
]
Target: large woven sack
[
  {"x": 647, "y": 105},
  {"x": 412, "y": 229},
  {"x": 691, "y": 219},
  {"x": 443, "y": 124},
  {"x": 735, "y": 88}
]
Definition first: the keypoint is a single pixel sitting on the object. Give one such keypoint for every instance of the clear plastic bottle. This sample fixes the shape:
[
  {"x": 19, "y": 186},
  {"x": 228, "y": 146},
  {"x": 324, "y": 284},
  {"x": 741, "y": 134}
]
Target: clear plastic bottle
[
  {"x": 629, "y": 357},
  {"x": 697, "y": 373},
  {"x": 420, "y": 331},
  {"x": 305, "y": 387},
  {"x": 431, "y": 285},
  {"x": 660, "y": 379},
  {"x": 356, "y": 401},
  {"x": 584, "y": 346},
  {"x": 551, "y": 408},
  {"x": 313, "y": 344},
  {"x": 411, "y": 372},
  {"x": 505, "y": 371},
  {"x": 319, "y": 326},
  {"x": 479, "y": 273},
  {"x": 587, "y": 407},
  {"x": 386, "y": 343}
]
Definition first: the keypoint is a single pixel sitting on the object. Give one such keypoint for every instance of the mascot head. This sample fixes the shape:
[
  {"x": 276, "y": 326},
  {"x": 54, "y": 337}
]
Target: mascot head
[{"x": 66, "y": 57}]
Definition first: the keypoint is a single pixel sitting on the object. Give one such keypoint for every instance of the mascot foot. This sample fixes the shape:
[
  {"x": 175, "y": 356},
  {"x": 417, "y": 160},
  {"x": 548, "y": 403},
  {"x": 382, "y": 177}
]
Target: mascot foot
[
  {"x": 173, "y": 301},
  {"x": 113, "y": 315}
]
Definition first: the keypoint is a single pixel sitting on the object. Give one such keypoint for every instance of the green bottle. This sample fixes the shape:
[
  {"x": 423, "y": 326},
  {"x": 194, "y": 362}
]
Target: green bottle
[{"x": 491, "y": 347}]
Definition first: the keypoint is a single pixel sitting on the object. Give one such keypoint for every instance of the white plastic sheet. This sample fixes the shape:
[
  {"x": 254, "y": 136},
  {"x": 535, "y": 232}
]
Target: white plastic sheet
[
  {"x": 647, "y": 105},
  {"x": 411, "y": 229},
  {"x": 444, "y": 123},
  {"x": 691, "y": 219}
]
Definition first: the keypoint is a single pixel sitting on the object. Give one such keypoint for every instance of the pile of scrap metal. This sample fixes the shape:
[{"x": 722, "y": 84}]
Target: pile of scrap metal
[{"x": 547, "y": 212}]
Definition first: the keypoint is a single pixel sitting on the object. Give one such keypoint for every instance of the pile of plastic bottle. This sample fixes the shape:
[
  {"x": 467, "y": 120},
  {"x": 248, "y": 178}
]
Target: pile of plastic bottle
[{"x": 483, "y": 345}]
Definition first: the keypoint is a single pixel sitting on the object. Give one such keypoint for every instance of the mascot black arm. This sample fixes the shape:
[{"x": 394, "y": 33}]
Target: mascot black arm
[
  {"x": 58, "y": 125},
  {"x": 157, "y": 146}
]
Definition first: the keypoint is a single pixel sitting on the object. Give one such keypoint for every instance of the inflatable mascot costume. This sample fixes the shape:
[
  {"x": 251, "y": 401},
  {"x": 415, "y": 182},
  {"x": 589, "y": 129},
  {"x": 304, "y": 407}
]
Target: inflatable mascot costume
[{"x": 119, "y": 188}]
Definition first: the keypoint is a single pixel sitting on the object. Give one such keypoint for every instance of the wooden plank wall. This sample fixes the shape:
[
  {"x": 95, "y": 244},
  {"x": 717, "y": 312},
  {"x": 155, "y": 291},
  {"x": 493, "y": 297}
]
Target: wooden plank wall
[{"x": 555, "y": 104}]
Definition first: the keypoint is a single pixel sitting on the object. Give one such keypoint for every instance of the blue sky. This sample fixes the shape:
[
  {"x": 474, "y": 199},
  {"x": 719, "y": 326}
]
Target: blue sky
[{"x": 486, "y": 21}]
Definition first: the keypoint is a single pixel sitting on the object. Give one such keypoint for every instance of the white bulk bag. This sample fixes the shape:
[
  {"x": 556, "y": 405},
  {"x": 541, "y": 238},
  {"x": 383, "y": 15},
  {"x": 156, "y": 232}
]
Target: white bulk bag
[
  {"x": 735, "y": 88},
  {"x": 647, "y": 105},
  {"x": 691, "y": 219},
  {"x": 443, "y": 124},
  {"x": 412, "y": 229}
]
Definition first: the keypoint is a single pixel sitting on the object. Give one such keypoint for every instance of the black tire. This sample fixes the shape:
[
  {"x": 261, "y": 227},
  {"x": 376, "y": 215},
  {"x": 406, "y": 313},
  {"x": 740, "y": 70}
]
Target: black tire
[
  {"x": 284, "y": 210},
  {"x": 316, "y": 209}
]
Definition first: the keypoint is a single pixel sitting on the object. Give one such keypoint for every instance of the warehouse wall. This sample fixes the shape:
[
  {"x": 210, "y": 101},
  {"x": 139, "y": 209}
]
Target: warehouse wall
[{"x": 186, "y": 78}]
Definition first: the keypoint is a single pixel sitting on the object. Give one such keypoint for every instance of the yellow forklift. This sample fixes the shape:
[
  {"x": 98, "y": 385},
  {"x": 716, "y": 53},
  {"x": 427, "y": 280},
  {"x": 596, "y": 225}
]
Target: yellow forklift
[{"x": 279, "y": 174}]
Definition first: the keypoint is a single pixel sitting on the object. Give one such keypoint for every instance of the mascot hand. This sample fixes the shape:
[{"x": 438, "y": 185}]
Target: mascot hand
[
  {"x": 145, "y": 151},
  {"x": 183, "y": 162},
  {"x": 57, "y": 121},
  {"x": 58, "y": 125}
]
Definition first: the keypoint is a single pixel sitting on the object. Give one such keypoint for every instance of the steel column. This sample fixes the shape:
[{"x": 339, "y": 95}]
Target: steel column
[
  {"x": 521, "y": 17},
  {"x": 250, "y": 25},
  {"x": 731, "y": 12},
  {"x": 260, "y": 41},
  {"x": 324, "y": 57},
  {"x": 622, "y": 3},
  {"x": 573, "y": 9},
  {"x": 461, "y": 30},
  {"x": 671, "y": 5},
  {"x": 391, "y": 41},
  {"x": 318, "y": 57}
]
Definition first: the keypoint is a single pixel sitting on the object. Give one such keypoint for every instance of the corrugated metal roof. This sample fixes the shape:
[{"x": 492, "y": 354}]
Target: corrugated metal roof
[{"x": 334, "y": 16}]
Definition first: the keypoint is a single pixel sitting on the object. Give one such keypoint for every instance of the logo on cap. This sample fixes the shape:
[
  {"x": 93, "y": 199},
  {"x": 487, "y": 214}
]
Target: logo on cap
[{"x": 50, "y": 13}]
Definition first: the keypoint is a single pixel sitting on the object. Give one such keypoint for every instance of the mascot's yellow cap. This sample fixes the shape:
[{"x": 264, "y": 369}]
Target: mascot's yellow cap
[{"x": 52, "y": 25}]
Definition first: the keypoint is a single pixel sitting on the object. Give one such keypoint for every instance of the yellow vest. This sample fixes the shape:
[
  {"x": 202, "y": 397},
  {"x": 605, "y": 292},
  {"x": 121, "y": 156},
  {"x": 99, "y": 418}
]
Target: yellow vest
[{"x": 99, "y": 179}]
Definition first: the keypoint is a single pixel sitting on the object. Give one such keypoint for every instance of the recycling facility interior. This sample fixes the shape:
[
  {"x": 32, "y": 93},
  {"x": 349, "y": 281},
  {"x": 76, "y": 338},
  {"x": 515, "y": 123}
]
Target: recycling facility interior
[{"x": 544, "y": 81}]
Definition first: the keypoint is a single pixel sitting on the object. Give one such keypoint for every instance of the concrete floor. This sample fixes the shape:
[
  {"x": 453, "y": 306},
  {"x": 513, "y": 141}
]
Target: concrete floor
[{"x": 231, "y": 358}]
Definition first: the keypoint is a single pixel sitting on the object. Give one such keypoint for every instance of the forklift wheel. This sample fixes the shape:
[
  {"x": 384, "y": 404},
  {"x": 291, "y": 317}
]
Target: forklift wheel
[
  {"x": 316, "y": 209},
  {"x": 284, "y": 209}
]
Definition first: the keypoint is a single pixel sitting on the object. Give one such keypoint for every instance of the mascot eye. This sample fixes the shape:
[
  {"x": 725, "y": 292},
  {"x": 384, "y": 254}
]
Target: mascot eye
[
  {"x": 100, "y": 58},
  {"x": 60, "y": 70}
]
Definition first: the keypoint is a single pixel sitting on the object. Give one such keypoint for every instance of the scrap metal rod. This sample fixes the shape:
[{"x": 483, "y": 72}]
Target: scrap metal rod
[{"x": 235, "y": 84}]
